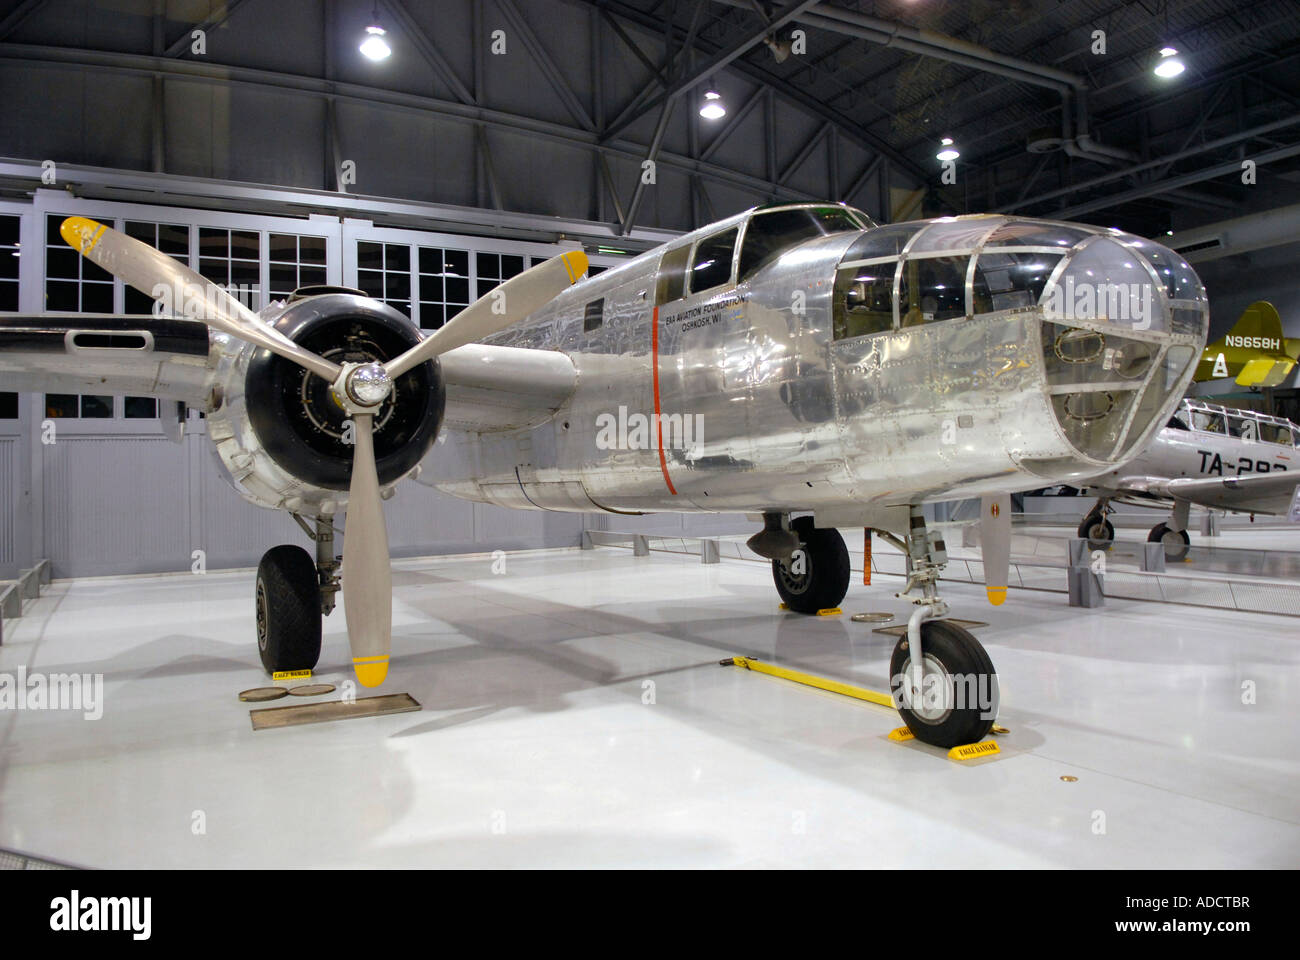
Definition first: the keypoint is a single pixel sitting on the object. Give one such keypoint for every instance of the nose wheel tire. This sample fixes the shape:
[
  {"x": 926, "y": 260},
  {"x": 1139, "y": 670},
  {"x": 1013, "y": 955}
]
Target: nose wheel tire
[
  {"x": 288, "y": 604},
  {"x": 1097, "y": 530},
  {"x": 1176, "y": 542},
  {"x": 958, "y": 699},
  {"x": 816, "y": 577}
]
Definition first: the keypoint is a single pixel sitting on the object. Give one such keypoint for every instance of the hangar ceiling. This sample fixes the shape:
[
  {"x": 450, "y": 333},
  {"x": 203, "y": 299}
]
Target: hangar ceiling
[{"x": 558, "y": 125}]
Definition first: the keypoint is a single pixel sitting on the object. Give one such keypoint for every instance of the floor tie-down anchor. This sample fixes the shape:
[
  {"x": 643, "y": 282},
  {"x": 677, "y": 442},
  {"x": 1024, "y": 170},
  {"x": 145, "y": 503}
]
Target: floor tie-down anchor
[{"x": 941, "y": 677}]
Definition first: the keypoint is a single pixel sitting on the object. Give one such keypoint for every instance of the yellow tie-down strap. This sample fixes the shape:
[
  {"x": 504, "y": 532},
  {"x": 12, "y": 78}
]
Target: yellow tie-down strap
[{"x": 821, "y": 683}]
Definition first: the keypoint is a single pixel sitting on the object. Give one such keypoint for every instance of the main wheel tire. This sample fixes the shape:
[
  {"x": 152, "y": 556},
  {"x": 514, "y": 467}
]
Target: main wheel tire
[
  {"x": 824, "y": 579},
  {"x": 1097, "y": 530},
  {"x": 1176, "y": 542},
  {"x": 287, "y": 597},
  {"x": 945, "y": 717}
]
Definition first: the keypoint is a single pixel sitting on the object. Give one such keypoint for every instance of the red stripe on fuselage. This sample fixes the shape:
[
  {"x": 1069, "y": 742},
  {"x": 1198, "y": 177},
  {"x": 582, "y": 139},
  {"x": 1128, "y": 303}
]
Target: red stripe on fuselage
[{"x": 659, "y": 427}]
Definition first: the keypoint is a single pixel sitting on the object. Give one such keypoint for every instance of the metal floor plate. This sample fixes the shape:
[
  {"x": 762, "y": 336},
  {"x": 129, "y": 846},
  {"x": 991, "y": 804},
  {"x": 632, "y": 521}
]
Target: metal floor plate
[{"x": 298, "y": 714}]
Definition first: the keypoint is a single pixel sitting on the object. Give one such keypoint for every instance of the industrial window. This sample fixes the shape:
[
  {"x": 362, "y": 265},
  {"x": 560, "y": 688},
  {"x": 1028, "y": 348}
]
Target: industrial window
[
  {"x": 9, "y": 253},
  {"x": 139, "y": 408},
  {"x": 444, "y": 285},
  {"x": 231, "y": 259},
  {"x": 932, "y": 289},
  {"x": 173, "y": 240},
  {"x": 712, "y": 264},
  {"x": 671, "y": 284},
  {"x": 495, "y": 268},
  {"x": 593, "y": 316},
  {"x": 8, "y": 406},
  {"x": 864, "y": 300},
  {"x": 86, "y": 406},
  {"x": 294, "y": 261},
  {"x": 72, "y": 283},
  {"x": 384, "y": 272}
]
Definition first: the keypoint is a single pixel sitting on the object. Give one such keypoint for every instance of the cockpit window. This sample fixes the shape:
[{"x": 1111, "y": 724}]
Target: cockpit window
[
  {"x": 864, "y": 300},
  {"x": 932, "y": 289},
  {"x": 1208, "y": 422},
  {"x": 1241, "y": 427},
  {"x": 671, "y": 283},
  {"x": 768, "y": 234},
  {"x": 1020, "y": 234},
  {"x": 1275, "y": 433},
  {"x": 712, "y": 264},
  {"x": 1176, "y": 423},
  {"x": 1006, "y": 280}
]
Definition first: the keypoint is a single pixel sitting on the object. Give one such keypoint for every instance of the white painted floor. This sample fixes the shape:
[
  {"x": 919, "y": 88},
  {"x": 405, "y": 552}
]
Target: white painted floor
[{"x": 535, "y": 747}]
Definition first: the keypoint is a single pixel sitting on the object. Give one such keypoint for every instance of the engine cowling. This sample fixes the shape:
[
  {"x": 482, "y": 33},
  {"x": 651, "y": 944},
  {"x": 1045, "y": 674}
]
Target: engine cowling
[{"x": 278, "y": 430}]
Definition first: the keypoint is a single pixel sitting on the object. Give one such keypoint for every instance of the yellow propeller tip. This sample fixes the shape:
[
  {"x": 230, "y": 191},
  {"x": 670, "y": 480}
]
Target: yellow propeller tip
[
  {"x": 81, "y": 233},
  {"x": 997, "y": 595},
  {"x": 372, "y": 672},
  {"x": 575, "y": 261}
]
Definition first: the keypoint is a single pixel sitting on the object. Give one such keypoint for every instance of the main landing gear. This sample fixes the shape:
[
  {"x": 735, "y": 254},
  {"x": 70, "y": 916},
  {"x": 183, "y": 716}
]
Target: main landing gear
[
  {"x": 1096, "y": 529},
  {"x": 1100, "y": 534},
  {"x": 815, "y": 575},
  {"x": 1173, "y": 532},
  {"x": 292, "y": 593},
  {"x": 941, "y": 678}
]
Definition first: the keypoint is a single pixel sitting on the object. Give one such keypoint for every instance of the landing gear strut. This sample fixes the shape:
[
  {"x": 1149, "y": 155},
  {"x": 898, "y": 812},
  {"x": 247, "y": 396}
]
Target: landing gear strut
[
  {"x": 293, "y": 592},
  {"x": 941, "y": 678}
]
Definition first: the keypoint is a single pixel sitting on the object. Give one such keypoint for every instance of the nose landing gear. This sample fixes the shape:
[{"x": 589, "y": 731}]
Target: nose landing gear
[{"x": 941, "y": 677}]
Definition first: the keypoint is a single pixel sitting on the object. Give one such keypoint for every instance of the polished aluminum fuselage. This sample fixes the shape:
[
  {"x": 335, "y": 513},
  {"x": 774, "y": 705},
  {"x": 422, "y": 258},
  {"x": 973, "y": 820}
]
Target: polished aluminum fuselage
[{"x": 786, "y": 418}]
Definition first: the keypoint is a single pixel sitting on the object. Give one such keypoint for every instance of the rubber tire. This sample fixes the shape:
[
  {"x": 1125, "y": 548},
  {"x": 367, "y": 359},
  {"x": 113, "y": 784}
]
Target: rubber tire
[
  {"x": 827, "y": 576},
  {"x": 1084, "y": 532},
  {"x": 1157, "y": 535},
  {"x": 960, "y": 653},
  {"x": 289, "y": 628}
]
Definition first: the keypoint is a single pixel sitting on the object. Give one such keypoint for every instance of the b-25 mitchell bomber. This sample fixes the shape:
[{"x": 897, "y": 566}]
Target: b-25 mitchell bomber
[{"x": 831, "y": 372}]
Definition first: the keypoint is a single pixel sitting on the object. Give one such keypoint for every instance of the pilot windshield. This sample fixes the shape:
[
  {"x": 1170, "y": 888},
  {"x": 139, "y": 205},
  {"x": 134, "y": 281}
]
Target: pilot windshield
[{"x": 770, "y": 233}]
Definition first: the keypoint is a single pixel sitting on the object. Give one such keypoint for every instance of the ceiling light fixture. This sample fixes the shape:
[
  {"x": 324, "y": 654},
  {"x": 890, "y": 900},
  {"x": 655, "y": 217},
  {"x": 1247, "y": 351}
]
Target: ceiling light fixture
[
  {"x": 949, "y": 152},
  {"x": 712, "y": 108},
  {"x": 1169, "y": 65},
  {"x": 374, "y": 46}
]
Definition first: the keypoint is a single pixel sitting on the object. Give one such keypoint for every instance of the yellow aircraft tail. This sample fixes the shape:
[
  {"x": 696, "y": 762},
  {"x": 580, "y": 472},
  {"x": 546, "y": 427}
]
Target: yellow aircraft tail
[{"x": 1254, "y": 350}]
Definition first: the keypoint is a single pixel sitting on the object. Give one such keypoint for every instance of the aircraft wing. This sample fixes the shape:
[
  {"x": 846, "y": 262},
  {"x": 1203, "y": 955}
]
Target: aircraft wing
[
  {"x": 105, "y": 353},
  {"x": 493, "y": 388},
  {"x": 1270, "y": 493},
  {"x": 488, "y": 387}
]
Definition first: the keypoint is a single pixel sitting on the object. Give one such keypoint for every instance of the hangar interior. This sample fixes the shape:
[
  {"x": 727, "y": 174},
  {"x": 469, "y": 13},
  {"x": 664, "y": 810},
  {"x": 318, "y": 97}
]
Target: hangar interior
[{"x": 255, "y": 143}]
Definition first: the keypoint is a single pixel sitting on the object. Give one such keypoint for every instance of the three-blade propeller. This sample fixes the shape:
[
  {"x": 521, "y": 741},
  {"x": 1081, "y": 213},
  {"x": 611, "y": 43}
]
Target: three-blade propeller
[{"x": 359, "y": 388}]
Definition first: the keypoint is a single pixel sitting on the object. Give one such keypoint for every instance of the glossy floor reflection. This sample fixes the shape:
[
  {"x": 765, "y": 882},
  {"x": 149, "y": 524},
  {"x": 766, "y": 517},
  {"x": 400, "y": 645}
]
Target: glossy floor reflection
[{"x": 575, "y": 715}]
